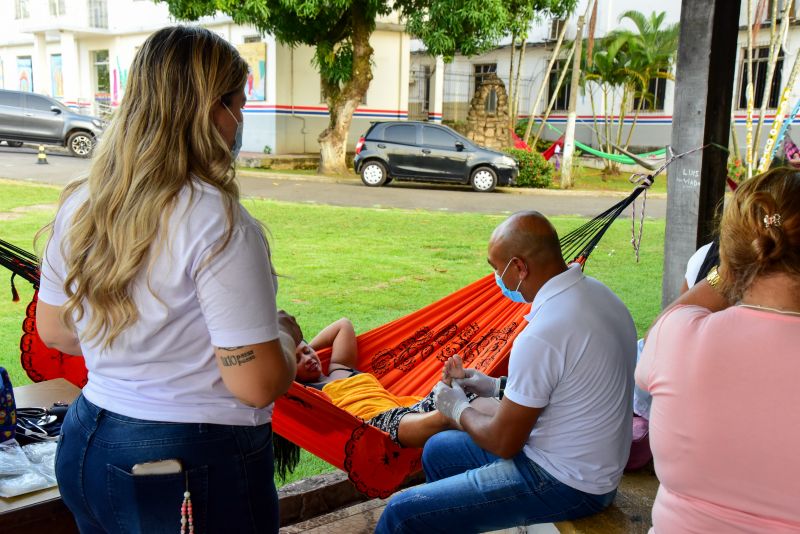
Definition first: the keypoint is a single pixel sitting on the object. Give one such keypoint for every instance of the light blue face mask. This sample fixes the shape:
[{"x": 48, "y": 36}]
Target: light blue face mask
[
  {"x": 514, "y": 295},
  {"x": 237, "y": 142}
]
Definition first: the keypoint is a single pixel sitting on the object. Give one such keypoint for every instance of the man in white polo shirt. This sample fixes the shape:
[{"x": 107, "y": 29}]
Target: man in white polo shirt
[{"x": 559, "y": 440}]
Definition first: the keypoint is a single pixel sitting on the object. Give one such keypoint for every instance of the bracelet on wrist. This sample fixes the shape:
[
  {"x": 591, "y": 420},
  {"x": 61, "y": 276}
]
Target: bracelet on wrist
[{"x": 713, "y": 278}]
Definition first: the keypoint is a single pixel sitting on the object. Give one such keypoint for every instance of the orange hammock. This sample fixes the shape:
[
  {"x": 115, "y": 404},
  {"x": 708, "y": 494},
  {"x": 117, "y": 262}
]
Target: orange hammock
[{"x": 406, "y": 355}]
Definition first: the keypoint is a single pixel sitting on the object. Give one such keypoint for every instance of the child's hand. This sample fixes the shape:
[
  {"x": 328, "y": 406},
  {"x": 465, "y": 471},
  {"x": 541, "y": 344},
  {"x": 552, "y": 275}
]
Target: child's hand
[{"x": 453, "y": 368}]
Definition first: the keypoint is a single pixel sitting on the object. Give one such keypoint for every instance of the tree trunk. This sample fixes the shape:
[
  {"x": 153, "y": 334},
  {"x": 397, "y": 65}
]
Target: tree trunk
[
  {"x": 515, "y": 112},
  {"x": 545, "y": 82},
  {"x": 510, "y": 91},
  {"x": 342, "y": 102},
  {"x": 635, "y": 118}
]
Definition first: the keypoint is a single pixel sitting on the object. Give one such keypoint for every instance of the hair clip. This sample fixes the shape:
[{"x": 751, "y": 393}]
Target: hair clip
[{"x": 772, "y": 220}]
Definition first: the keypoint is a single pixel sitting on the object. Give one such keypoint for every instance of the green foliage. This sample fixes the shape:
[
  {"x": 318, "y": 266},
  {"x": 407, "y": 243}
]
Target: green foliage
[
  {"x": 736, "y": 169},
  {"x": 267, "y": 149},
  {"x": 521, "y": 13},
  {"x": 334, "y": 62},
  {"x": 534, "y": 170}
]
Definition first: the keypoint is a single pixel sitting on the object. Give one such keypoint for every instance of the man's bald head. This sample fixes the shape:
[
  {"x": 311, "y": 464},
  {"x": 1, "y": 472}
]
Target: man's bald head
[{"x": 527, "y": 235}]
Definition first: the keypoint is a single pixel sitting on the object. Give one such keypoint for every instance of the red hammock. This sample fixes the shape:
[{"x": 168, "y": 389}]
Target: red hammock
[
  {"x": 406, "y": 355},
  {"x": 547, "y": 154}
]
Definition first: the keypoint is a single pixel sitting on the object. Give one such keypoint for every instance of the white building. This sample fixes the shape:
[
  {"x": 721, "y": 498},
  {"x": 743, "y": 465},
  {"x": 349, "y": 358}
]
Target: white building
[
  {"x": 80, "y": 51},
  {"x": 441, "y": 91}
]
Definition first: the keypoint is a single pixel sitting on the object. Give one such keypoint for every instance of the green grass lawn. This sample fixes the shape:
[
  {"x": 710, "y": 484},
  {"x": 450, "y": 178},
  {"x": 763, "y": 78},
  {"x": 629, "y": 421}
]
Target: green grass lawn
[
  {"x": 371, "y": 265},
  {"x": 590, "y": 179}
]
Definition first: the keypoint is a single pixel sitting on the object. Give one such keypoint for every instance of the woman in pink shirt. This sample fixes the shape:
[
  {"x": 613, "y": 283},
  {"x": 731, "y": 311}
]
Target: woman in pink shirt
[{"x": 725, "y": 422}]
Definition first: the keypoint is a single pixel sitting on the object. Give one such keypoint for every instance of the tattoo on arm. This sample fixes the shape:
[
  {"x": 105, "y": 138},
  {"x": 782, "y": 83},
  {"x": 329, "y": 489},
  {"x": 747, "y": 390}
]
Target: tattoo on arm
[{"x": 237, "y": 359}]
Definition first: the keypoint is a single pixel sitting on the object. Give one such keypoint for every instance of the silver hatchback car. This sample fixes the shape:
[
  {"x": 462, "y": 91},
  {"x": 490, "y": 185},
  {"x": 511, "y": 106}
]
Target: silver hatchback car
[{"x": 32, "y": 118}]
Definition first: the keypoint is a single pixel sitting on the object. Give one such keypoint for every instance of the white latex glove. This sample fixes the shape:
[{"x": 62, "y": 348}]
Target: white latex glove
[
  {"x": 450, "y": 401},
  {"x": 478, "y": 383}
]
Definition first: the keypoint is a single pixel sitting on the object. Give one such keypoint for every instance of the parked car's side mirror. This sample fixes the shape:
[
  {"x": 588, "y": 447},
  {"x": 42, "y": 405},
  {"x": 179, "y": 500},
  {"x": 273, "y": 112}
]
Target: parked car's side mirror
[
  {"x": 55, "y": 109},
  {"x": 459, "y": 146}
]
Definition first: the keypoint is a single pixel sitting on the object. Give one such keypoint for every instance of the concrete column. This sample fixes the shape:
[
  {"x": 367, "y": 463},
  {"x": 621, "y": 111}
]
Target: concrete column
[
  {"x": 40, "y": 65},
  {"x": 437, "y": 91},
  {"x": 70, "y": 67},
  {"x": 702, "y": 110}
]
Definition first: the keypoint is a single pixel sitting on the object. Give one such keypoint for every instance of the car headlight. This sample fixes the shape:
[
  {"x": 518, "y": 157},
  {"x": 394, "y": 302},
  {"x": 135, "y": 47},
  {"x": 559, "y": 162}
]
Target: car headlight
[
  {"x": 98, "y": 123},
  {"x": 506, "y": 160}
]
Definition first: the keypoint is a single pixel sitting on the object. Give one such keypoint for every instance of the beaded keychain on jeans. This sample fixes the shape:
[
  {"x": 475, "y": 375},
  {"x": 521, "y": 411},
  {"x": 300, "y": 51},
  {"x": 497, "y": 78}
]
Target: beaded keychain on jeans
[{"x": 186, "y": 510}]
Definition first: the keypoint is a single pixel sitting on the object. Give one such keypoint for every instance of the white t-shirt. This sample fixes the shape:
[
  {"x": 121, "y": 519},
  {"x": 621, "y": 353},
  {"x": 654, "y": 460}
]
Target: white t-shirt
[
  {"x": 163, "y": 367},
  {"x": 576, "y": 359},
  {"x": 694, "y": 264}
]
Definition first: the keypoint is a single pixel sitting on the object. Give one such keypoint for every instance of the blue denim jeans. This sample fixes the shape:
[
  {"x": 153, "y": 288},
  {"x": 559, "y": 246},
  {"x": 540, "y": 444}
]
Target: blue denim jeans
[
  {"x": 471, "y": 490},
  {"x": 228, "y": 469}
]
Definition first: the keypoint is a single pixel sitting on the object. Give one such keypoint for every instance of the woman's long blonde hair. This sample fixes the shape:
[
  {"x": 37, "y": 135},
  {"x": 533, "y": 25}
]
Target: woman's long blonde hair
[{"x": 161, "y": 135}]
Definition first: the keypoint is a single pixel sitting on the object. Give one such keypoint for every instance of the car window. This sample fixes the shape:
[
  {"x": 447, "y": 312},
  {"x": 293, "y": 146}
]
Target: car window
[
  {"x": 10, "y": 99},
  {"x": 401, "y": 133},
  {"x": 438, "y": 138},
  {"x": 37, "y": 102}
]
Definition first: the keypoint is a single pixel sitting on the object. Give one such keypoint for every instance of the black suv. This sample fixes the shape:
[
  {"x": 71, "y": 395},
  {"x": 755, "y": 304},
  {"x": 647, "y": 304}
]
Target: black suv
[
  {"x": 39, "y": 119},
  {"x": 424, "y": 152}
]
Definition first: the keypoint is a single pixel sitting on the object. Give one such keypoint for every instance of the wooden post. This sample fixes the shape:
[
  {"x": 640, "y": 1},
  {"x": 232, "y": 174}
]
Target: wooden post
[
  {"x": 703, "y": 96},
  {"x": 569, "y": 134}
]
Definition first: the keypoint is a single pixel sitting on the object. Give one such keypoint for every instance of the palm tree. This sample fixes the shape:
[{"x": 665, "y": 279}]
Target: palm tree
[
  {"x": 629, "y": 60},
  {"x": 653, "y": 50}
]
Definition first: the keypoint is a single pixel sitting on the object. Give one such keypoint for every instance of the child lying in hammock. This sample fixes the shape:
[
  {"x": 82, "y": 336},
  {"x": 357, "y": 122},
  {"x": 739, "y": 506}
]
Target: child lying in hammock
[{"x": 408, "y": 420}]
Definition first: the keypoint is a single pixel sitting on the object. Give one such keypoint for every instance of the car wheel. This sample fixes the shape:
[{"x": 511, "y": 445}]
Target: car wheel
[
  {"x": 483, "y": 179},
  {"x": 14, "y": 144},
  {"x": 373, "y": 174},
  {"x": 81, "y": 144}
]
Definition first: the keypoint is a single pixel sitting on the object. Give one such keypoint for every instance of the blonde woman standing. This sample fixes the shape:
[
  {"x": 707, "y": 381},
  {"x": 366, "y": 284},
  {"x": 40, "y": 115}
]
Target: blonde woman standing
[{"x": 161, "y": 279}]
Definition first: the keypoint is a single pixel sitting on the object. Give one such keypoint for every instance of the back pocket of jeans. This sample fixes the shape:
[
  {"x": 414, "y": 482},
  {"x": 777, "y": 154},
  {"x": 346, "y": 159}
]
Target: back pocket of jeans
[{"x": 151, "y": 504}]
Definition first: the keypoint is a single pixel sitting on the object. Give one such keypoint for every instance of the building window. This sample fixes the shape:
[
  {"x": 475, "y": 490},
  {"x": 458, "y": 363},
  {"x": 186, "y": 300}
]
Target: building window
[
  {"x": 562, "y": 100},
  {"x": 483, "y": 71},
  {"x": 426, "y": 100},
  {"x": 56, "y": 76},
  {"x": 655, "y": 97},
  {"x": 252, "y": 39},
  {"x": 768, "y": 10},
  {"x": 21, "y": 9},
  {"x": 57, "y": 8},
  {"x": 555, "y": 28},
  {"x": 760, "y": 65},
  {"x": 25, "y": 73},
  {"x": 101, "y": 81},
  {"x": 98, "y": 13}
]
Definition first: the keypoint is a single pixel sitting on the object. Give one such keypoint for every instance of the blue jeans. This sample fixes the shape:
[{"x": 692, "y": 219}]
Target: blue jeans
[
  {"x": 471, "y": 490},
  {"x": 228, "y": 469}
]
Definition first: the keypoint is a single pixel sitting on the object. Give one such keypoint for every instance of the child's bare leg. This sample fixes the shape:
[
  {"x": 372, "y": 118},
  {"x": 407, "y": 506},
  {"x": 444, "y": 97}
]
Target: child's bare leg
[{"x": 416, "y": 428}]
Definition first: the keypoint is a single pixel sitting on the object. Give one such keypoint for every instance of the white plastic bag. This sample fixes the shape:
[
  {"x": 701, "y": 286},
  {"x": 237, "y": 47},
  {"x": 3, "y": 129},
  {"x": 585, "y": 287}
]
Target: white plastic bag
[{"x": 26, "y": 469}]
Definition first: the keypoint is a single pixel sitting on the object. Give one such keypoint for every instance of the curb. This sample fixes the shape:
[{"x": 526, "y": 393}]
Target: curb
[{"x": 319, "y": 178}]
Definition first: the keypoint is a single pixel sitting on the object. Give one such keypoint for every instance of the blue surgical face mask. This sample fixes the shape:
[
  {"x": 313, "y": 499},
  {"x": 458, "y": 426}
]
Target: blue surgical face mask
[
  {"x": 237, "y": 142},
  {"x": 514, "y": 295}
]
